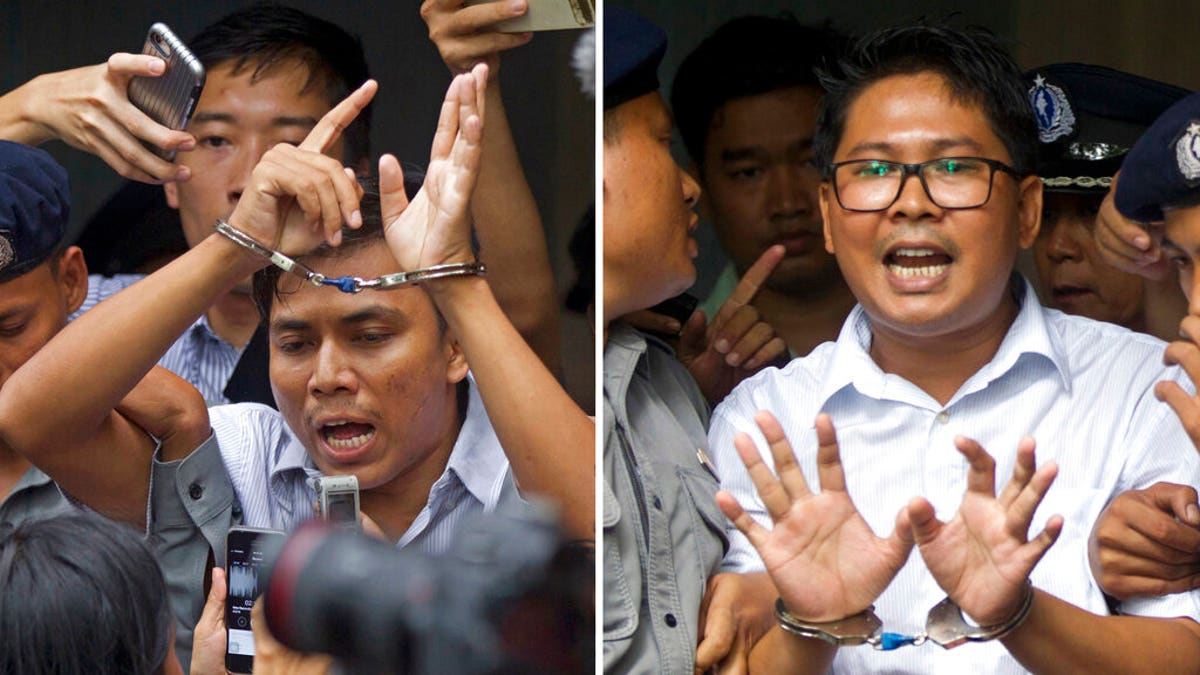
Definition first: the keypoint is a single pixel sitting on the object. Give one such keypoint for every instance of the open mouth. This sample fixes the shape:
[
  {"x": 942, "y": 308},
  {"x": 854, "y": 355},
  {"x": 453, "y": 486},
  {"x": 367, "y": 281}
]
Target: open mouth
[
  {"x": 347, "y": 436},
  {"x": 910, "y": 263}
]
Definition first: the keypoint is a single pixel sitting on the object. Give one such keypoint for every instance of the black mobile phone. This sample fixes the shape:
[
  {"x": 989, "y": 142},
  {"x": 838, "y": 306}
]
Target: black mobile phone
[
  {"x": 337, "y": 500},
  {"x": 169, "y": 99},
  {"x": 245, "y": 550}
]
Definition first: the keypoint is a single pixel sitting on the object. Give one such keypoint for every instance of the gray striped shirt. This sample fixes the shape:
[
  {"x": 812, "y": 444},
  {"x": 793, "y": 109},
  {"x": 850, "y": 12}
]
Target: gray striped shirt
[{"x": 199, "y": 356}]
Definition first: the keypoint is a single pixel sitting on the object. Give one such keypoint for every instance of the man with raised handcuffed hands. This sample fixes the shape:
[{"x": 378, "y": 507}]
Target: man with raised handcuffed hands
[{"x": 373, "y": 384}]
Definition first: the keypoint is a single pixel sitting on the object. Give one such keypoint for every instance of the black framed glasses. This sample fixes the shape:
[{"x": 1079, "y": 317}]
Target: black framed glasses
[{"x": 949, "y": 182}]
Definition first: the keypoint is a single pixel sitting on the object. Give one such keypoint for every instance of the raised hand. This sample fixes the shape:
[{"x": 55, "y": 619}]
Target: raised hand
[
  {"x": 821, "y": 554},
  {"x": 298, "y": 197},
  {"x": 436, "y": 227},
  {"x": 737, "y": 342},
  {"x": 982, "y": 557},
  {"x": 88, "y": 108},
  {"x": 1129, "y": 246},
  {"x": 466, "y": 36}
]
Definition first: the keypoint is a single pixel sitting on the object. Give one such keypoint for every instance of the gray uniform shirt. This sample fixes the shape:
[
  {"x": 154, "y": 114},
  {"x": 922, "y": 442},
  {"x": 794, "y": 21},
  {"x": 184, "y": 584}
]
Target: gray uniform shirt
[
  {"x": 34, "y": 497},
  {"x": 664, "y": 535}
]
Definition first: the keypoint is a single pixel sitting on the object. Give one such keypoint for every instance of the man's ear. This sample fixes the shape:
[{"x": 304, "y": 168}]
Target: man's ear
[
  {"x": 456, "y": 361},
  {"x": 171, "y": 190},
  {"x": 1029, "y": 210},
  {"x": 73, "y": 277}
]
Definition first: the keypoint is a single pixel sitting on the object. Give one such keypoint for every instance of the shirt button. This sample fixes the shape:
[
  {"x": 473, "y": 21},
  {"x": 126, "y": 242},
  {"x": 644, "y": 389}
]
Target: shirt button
[
  {"x": 943, "y": 417},
  {"x": 237, "y": 510},
  {"x": 670, "y": 619},
  {"x": 195, "y": 491},
  {"x": 657, "y": 503}
]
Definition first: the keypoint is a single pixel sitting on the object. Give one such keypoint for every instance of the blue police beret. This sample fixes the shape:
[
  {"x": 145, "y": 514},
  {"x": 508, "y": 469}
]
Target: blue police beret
[
  {"x": 633, "y": 48},
  {"x": 1088, "y": 117},
  {"x": 35, "y": 201},
  {"x": 1163, "y": 168}
]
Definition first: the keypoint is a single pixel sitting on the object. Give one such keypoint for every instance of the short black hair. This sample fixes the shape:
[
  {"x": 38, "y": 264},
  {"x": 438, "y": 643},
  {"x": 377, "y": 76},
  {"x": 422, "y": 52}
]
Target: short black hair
[
  {"x": 80, "y": 594},
  {"x": 746, "y": 56},
  {"x": 264, "y": 35},
  {"x": 976, "y": 67}
]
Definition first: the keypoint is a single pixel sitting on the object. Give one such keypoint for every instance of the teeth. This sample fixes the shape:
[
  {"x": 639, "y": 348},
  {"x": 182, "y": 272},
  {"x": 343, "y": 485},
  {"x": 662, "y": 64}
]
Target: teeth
[
  {"x": 914, "y": 252},
  {"x": 908, "y": 272},
  {"x": 347, "y": 443}
]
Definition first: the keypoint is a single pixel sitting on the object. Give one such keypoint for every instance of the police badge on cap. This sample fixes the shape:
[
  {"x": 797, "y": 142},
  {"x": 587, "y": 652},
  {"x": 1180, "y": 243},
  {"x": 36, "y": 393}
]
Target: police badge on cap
[
  {"x": 1187, "y": 152},
  {"x": 1055, "y": 118},
  {"x": 6, "y": 251}
]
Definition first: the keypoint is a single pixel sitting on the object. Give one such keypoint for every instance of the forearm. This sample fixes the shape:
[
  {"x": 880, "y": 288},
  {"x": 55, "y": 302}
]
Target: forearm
[
  {"x": 1059, "y": 637},
  {"x": 781, "y": 652},
  {"x": 16, "y": 121},
  {"x": 549, "y": 441},
  {"x": 62, "y": 394},
  {"x": 512, "y": 241}
]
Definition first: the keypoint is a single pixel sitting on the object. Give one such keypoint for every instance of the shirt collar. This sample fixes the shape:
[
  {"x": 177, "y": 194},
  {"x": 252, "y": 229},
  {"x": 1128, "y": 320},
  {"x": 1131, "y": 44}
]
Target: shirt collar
[
  {"x": 623, "y": 350},
  {"x": 477, "y": 458},
  {"x": 1029, "y": 334},
  {"x": 33, "y": 477}
]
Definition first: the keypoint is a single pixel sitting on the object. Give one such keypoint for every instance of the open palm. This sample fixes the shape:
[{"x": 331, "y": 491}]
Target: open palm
[
  {"x": 982, "y": 556},
  {"x": 821, "y": 554},
  {"x": 435, "y": 228}
]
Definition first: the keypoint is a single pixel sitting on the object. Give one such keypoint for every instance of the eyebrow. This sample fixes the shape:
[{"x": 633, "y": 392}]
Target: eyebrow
[
  {"x": 756, "y": 151},
  {"x": 374, "y": 312},
  {"x": 937, "y": 146},
  {"x": 281, "y": 121}
]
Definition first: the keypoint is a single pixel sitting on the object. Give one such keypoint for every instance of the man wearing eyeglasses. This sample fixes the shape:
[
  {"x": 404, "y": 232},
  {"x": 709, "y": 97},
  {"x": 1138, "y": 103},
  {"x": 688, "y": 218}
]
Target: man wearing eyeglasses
[{"x": 942, "y": 379}]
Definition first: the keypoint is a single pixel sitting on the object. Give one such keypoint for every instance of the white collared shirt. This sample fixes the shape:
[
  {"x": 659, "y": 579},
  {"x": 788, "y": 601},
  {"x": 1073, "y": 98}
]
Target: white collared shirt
[{"x": 1083, "y": 389}]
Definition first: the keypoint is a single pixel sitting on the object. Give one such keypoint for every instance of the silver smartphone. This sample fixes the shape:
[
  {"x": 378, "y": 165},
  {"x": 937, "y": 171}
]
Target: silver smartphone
[
  {"x": 549, "y": 15},
  {"x": 246, "y": 548},
  {"x": 337, "y": 500},
  {"x": 169, "y": 99}
]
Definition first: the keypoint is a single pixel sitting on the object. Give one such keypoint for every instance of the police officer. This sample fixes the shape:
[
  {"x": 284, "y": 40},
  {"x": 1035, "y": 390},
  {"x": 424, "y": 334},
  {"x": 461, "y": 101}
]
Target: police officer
[{"x": 1088, "y": 117}]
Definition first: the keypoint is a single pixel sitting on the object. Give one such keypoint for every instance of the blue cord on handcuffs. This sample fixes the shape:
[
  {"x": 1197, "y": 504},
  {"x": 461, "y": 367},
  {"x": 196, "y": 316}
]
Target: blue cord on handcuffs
[
  {"x": 344, "y": 284},
  {"x": 890, "y": 641}
]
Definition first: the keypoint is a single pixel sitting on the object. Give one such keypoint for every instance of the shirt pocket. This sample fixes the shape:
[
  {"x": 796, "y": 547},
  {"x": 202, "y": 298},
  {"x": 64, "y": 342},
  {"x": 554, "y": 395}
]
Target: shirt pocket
[
  {"x": 708, "y": 523},
  {"x": 620, "y": 609}
]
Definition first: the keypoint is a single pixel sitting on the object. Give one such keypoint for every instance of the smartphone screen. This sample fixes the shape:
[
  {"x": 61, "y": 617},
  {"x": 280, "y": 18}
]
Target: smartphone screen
[
  {"x": 244, "y": 558},
  {"x": 342, "y": 508}
]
